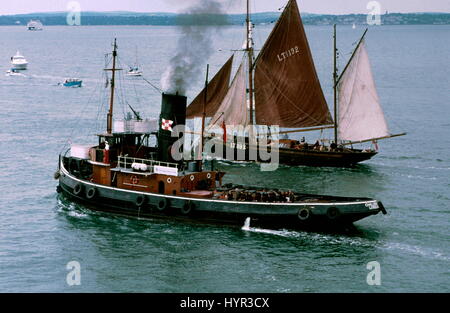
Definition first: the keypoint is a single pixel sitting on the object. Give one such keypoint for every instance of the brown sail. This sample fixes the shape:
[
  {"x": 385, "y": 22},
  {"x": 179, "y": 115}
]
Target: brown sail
[
  {"x": 233, "y": 109},
  {"x": 217, "y": 89},
  {"x": 287, "y": 89}
]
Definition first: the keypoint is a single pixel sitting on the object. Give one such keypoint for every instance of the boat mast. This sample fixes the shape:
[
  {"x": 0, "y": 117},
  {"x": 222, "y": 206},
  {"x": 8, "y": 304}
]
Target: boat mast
[
  {"x": 205, "y": 100},
  {"x": 335, "y": 77},
  {"x": 111, "y": 100},
  {"x": 249, "y": 50}
]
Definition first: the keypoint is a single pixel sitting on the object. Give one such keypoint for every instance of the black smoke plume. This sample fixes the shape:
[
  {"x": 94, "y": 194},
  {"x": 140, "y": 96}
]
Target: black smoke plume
[{"x": 199, "y": 26}]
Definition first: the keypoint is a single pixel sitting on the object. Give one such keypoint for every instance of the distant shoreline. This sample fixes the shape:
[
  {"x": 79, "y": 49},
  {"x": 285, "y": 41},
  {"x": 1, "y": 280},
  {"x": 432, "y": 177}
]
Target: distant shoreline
[{"x": 171, "y": 19}]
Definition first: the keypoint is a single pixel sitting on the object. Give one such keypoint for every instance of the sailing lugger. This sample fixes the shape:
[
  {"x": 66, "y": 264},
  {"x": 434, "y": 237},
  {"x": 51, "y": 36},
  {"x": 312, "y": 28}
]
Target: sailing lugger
[
  {"x": 284, "y": 90},
  {"x": 124, "y": 174}
]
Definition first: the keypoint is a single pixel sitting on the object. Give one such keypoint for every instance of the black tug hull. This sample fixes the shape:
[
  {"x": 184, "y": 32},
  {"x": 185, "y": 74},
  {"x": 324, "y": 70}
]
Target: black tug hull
[{"x": 323, "y": 215}]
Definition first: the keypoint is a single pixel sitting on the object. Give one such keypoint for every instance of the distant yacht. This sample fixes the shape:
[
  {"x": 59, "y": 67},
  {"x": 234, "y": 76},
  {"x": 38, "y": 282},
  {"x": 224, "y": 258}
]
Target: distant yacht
[
  {"x": 19, "y": 62},
  {"x": 354, "y": 26},
  {"x": 134, "y": 71},
  {"x": 35, "y": 25}
]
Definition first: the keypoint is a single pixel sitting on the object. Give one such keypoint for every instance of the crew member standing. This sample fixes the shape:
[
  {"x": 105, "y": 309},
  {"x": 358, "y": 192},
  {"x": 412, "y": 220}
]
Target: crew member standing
[{"x": 106, "y": 153}]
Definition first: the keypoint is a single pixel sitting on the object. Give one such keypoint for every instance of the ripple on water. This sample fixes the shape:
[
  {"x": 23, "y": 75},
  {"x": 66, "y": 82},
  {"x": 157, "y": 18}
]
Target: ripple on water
[{"x": 353, "y": 241}]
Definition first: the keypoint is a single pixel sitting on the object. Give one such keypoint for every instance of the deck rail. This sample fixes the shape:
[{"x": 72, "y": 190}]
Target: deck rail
[{"x": 127, "y": 162}]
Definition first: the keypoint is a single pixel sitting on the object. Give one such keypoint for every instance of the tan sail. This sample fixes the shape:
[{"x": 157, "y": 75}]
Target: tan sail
[
  {"x": 287, "y": 89},
  {"x": 233, "y": 109},
  {"x": 217, "y": 89},
  {"x": 361, "y": 117}
]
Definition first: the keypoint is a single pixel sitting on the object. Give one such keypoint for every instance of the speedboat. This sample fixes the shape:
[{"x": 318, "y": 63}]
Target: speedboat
[
  {"x": 13, "y": 72},
  {"x": 19, "y": 62},
  {"x": 72, "y": 82}
]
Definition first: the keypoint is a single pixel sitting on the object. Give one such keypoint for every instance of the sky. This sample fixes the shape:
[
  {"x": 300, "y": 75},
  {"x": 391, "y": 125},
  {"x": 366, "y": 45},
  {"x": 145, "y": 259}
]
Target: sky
[{"x": 232, "y": 6}]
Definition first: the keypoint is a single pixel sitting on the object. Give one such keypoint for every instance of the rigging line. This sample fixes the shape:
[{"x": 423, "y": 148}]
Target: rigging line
[
  {"x": 122, "y": 92},
  {"x": 100, "y": 110},
  {"x": 103, "y": 95},
  {"x": 124, "y": 95},
  {"x": 154, "y": 86},
  {"x": 120, "y": 88},
  {"x": 135, "y": 92}
]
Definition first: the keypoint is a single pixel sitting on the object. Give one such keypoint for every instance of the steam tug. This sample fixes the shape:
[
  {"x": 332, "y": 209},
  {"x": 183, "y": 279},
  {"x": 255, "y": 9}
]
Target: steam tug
[{"x": 123, "y": 173}]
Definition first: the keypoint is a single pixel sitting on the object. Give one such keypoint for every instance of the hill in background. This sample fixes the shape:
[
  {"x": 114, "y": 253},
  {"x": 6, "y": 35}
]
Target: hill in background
[{"x": 161, "y": 18}]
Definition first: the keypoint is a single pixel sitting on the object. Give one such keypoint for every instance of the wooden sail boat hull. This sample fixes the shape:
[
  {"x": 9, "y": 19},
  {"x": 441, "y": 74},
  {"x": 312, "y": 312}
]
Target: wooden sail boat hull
[
  {"x": 309, "y": 212},
  {"x": 303, "y": 157},
  {"x": 346, "y": 158}
]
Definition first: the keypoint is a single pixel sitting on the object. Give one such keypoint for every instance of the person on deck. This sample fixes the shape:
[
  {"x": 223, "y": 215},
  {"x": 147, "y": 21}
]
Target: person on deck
[
  {"x": 106, "y": 153},
  {"x": 317, "y": 145},
  {"x": 333, "y": 146}
]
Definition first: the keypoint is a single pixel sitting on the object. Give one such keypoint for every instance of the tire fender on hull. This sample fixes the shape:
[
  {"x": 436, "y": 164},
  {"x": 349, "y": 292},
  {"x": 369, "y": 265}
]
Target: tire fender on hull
[
  {"x": 304, "y": 214},
  {"x": 77, "y": 189},
  {"x": 333, "y": 213},
  {"x": 91, "y": 193},
  {"x": 140, "y": 200},
  {"x": 188, "y": 207},
  {"x": 163, "y": 204}
]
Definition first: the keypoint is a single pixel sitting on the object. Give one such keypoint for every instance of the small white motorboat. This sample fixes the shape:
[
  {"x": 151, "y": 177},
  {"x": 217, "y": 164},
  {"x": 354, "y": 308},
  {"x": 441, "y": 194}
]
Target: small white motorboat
[
  {"x": 35, "y": 25},
  {"x": 18, "y": 62}
]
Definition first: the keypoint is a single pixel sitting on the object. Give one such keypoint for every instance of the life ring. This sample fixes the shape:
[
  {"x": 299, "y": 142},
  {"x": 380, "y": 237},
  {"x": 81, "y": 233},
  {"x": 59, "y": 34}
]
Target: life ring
[
  {"x": 333, "y": 213},
  {"x": 91, "y": 193},
  {"x": 77, "y": 189},
  {"x": 192, "y": 177},
  {"x": 134, "y": 180},
  {"x": 188, "y": 207},
  {"x": 163, "y": 204},
  {"x": 169, "y": 180},
  {"x": 140, "y": 200},
  {"x": 304, "y": 214},
  {"x": 208, "y": 175}
]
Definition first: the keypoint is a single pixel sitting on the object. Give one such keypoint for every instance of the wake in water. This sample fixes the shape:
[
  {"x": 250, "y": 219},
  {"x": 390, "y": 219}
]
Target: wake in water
[{"x": 351, "y": 241}]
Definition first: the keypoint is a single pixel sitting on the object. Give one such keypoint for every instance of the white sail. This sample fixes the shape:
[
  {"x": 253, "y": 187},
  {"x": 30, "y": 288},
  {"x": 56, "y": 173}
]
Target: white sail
[
  {"x": 233, "y": 109},
  {"x": 360, "y": 114}
]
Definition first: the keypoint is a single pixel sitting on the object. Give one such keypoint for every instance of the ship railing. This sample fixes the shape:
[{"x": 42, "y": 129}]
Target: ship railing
[{"x": 145, "y": 165}]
